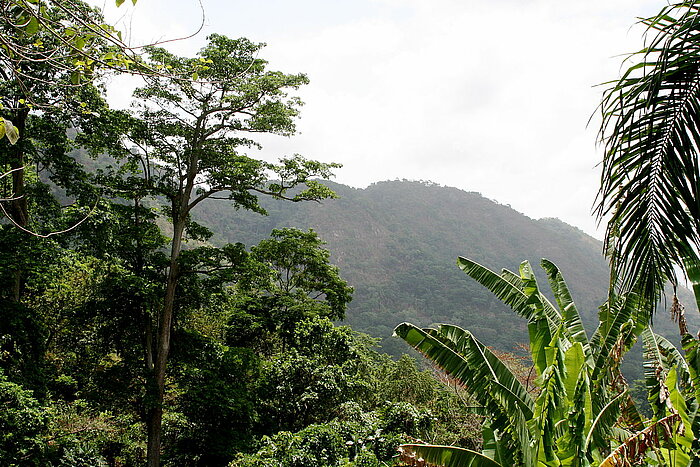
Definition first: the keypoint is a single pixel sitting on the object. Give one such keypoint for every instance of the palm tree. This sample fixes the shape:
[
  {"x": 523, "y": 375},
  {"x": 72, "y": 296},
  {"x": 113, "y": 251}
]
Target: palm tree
[
  {"x": 583, "y": 414},
  {"x": 651, "y": 131}
]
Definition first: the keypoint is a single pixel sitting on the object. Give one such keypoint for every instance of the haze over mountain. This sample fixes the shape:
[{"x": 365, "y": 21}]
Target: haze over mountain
[{"x": 396, "y": 242}]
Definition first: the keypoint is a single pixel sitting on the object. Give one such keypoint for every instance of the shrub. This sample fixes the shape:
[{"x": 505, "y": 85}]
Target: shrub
[{"x": 22, "y": 423}]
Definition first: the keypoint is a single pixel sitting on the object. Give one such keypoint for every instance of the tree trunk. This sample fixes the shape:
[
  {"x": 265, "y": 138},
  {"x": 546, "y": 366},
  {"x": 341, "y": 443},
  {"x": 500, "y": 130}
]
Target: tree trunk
[
  {"x": 154, "y": 422},
  {"x": 155, "y": 412}
]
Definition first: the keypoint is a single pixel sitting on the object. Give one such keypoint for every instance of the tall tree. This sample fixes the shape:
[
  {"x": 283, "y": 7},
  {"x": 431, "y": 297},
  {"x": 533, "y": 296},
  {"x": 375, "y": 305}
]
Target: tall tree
[
  {"x": 650, "y": 183},
  {"x": 189, "y": 140}
]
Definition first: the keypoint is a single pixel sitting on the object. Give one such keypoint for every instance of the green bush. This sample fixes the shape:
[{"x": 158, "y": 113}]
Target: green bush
[
  {"x": 321, "y": 445},
  {"x": 366, "y": 459},
  {"x": 402, "y": 417},
  {"x": 314, "y": 446},
  {"x": 385, "y": 446},
  {"x": 82, "y": 436},
  {"x": 22, "y": 424},
  {"x": 81, "y": 455}
]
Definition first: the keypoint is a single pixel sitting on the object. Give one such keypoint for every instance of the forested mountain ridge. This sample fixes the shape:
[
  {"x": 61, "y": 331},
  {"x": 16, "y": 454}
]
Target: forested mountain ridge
[
  {"x": 134, "y": 335},
  {"x": 396, "y": 243}
]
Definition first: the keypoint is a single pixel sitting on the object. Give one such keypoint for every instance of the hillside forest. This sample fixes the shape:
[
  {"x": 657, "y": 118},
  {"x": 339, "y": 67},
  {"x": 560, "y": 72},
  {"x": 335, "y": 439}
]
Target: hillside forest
[{"x": 168, "y": 298}]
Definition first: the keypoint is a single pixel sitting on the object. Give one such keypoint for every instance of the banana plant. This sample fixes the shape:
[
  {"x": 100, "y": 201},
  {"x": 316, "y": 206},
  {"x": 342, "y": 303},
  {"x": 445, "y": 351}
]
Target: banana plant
[
  {"x": 582, "y": 412},
  {"x": 673, "y": 388}
]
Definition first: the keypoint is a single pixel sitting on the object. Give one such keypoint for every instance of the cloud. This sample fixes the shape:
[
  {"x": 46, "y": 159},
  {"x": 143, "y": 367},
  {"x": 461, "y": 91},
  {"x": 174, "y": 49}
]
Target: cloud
[{"x": 487, "y": 96}]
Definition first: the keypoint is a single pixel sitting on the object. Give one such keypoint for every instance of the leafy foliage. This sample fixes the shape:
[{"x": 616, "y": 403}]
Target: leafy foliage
[
  {"x": 22, "y": 425},
  {"x": 396, "y": 242},
  {"x": 72, "y": 38},
  {"x": 582, "y": 406},
  {"x": 651, "y": 131}
]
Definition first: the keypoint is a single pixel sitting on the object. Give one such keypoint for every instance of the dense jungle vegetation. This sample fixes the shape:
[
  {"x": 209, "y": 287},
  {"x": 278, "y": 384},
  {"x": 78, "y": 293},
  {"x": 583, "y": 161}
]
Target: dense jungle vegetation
[
  {"x": 396, "y": 243},
  {"x": 152, "y": 315},
  {"x": 127, "y": 337}
]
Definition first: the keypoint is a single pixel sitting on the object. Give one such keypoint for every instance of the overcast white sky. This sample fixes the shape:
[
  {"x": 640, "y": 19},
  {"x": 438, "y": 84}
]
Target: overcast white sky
[{"x": 491, "y": 96}]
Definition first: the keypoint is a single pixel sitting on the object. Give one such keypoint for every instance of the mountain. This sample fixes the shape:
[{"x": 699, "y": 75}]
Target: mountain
[{"x": 396, "y": 242}]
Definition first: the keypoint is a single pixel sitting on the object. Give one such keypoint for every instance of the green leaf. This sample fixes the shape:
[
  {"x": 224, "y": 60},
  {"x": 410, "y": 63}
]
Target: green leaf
[
  {"x": 541, "y": 335},
  {"x": 493, "y": 447},
  {"x": 606, "y": 418},
  {"x": 691, "y": 347},
  {"x": 32, "y": 26},
  {"x": 679, "y": 453},
  {"x": 119, "y": 2},
  {"x": 444, "y": 456},
  {"x": 622, "y": 321},
  {"x": 692, "y": 270},
  {"x": 571, "y": 446},
  {"x": 11, "y": 132},
  {"x": 573, "y": 363},
  {"x": 573, "y": 325},
  {"x": 540, "y": 340},
  {"x": 466, "y": 345},
  {"x": 550, "y": 407},
  {"x": 487, "y": 379},
  {"x": 659, "y": 357},
  {"x": 505, "y": 289}
]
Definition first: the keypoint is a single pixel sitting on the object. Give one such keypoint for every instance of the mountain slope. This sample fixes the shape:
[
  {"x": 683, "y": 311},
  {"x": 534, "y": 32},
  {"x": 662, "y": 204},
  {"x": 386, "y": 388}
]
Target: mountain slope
[{"x": 397, "y": 243}]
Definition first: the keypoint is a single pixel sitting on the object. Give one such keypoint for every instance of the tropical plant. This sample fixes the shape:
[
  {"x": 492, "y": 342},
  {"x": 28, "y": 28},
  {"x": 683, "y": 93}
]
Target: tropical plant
[
  {"x": 582, "y": 411},
  {"x": 673, "y": 388},
  {"x": 651, "y": 132}
]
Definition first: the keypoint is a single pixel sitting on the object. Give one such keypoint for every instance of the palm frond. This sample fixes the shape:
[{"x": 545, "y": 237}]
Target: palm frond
[{"x": 651, "y": 132}]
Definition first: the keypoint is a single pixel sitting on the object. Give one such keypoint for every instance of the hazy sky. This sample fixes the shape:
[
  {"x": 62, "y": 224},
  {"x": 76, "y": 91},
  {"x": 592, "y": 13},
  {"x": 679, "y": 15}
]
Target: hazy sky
[{"x": 492, "y": 96}]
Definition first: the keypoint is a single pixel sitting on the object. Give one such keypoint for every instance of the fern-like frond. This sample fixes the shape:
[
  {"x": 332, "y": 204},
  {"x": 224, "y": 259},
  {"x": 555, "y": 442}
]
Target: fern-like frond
[{"x": 651, "y": 131}]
